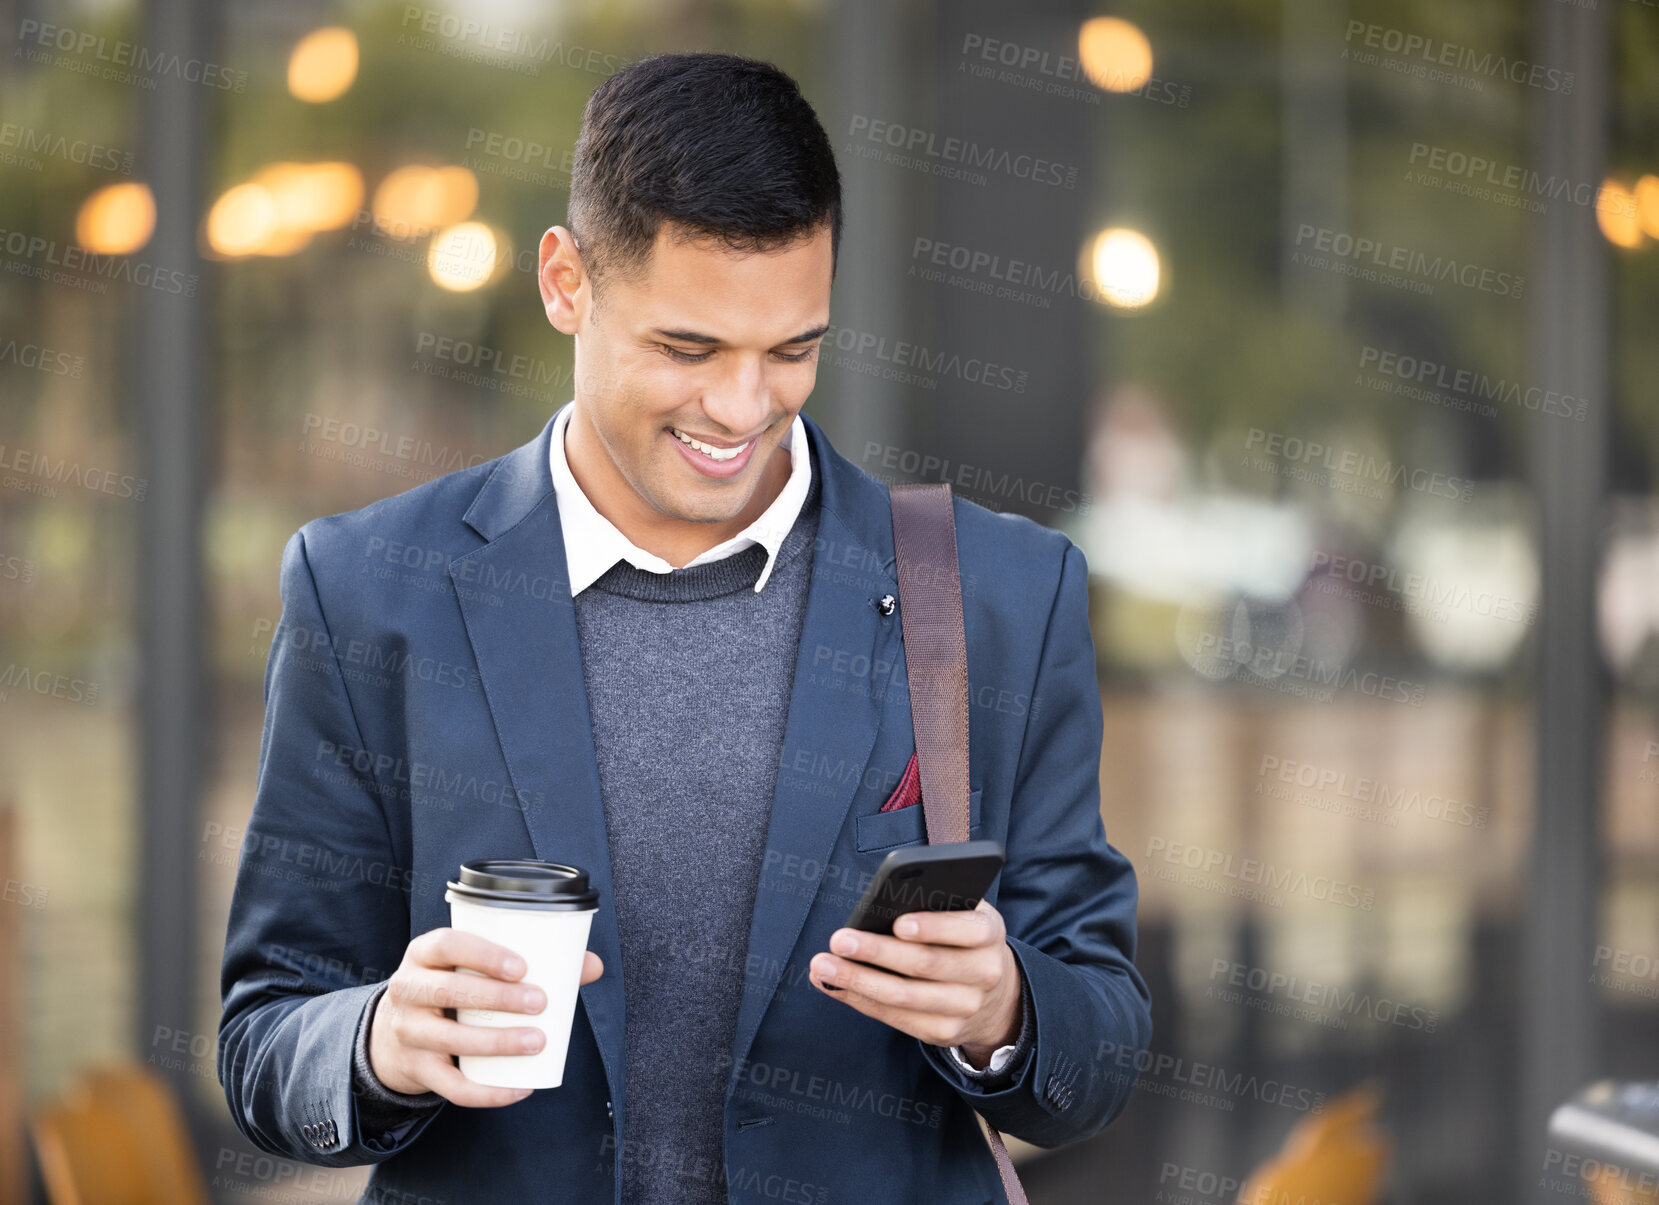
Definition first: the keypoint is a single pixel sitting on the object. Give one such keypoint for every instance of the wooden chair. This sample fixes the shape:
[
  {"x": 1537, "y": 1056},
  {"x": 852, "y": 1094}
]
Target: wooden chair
[
  {"x": 1333, "y": 1156},
  {"x": 146, "y": 1100},
  {"x": 89, "y": 1156},
  {"x": 118, "y": 1137}
]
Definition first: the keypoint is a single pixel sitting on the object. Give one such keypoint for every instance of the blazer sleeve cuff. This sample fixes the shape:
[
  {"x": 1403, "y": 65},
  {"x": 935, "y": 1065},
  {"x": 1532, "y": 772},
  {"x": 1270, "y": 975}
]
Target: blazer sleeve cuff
[{"x": 1060, "y": 1091}]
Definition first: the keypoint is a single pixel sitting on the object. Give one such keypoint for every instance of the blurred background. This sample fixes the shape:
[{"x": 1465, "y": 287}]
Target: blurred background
[{"x": 1325, "y": 329}]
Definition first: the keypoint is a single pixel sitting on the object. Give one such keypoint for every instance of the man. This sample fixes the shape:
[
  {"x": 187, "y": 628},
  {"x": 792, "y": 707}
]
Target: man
[{"x": 658, "y": 641}]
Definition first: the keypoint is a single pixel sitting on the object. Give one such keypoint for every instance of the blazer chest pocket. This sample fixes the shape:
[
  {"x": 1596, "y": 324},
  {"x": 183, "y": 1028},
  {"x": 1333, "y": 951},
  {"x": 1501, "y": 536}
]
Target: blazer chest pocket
[{"x": 906, "y": 826}]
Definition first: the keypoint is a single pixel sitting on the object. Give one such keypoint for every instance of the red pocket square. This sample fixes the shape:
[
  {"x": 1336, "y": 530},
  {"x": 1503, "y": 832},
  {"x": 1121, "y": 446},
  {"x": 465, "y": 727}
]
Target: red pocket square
[{"x": 908, "y": 791}]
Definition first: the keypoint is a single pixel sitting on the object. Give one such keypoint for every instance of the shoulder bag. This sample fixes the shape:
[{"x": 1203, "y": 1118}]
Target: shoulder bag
[{"x": 936, "y": 662}]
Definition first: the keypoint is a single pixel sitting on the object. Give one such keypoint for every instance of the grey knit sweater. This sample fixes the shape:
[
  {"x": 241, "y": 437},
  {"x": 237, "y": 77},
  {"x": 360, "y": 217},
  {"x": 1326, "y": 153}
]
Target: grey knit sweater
[{"x": 689, "y": 676}]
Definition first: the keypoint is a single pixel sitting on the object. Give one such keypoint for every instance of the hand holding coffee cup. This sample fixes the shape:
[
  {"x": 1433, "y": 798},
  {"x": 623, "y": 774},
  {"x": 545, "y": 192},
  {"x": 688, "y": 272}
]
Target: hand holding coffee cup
[{"x": 510, "y": 966}]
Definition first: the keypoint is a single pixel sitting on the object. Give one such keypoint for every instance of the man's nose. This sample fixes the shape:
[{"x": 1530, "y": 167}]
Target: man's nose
[{"x": 741, "y": 400}]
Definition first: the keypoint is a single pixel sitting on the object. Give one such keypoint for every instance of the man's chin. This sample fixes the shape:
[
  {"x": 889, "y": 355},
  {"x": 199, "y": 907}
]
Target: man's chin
[{"x": 686, "y": 507}]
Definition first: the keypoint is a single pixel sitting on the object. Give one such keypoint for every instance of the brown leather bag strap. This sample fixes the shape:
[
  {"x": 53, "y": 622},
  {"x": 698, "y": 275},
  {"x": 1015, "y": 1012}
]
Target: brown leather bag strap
[
  {"x": 935, "y": 653},
  {"x": 936, "y": 664}
]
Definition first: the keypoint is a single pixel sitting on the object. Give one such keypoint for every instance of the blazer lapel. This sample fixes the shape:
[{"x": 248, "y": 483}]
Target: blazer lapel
[
  {"x": 835, "y": 711},
  {"x": 530, "y": 665}
]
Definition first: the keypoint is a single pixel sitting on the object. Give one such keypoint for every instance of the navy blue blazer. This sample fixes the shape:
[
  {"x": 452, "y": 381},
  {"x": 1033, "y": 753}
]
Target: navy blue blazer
[{"x": 425, "y": 705}]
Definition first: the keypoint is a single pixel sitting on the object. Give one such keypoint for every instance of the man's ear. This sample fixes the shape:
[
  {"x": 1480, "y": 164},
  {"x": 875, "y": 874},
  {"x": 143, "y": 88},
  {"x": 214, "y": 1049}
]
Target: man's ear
[{"x": 565, "y": 286}]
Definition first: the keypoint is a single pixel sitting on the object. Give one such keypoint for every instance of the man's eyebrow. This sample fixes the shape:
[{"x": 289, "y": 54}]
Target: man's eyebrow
[{"x": 699, "y": 337}]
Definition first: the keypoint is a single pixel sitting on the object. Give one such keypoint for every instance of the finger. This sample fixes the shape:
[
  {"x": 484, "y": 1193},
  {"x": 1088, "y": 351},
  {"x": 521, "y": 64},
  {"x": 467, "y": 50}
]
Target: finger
[
  {"x": 592, "y": 967},
  {"x": 945, "y": 964},
  {"x": 938, "y": 1029},
  {"x": 427, "y": 1032},
  {"x": 434, "y": 990},
  {"x": 879, "y": 987},
  {"x": 980, "y": 926},
  {"x": 446, "y": 948},
  {"x": 445, "y": 1078}
]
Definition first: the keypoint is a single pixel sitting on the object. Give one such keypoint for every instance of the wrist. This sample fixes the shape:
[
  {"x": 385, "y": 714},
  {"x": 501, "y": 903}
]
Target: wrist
[
  {"x": 379, "y": 1058},
  {"x": 979, "y": 1054}
]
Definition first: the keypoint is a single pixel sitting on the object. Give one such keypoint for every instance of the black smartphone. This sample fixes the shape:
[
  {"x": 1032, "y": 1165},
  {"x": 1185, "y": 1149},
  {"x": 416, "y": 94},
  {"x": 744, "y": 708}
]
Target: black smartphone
[{"x": 927, "y": 878}]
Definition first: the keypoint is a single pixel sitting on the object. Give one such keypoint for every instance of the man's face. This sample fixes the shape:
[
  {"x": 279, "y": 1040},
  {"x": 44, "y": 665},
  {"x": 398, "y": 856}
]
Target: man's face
[{"x": 718, "y": 345}]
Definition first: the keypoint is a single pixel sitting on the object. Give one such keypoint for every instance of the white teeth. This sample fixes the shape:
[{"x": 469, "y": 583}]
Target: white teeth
[{"x": 720, "y": 454}]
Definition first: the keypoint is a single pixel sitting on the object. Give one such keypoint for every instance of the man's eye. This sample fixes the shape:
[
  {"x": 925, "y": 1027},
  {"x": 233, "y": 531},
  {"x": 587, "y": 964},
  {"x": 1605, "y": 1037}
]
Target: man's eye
[{"x": 686, "y": 357}]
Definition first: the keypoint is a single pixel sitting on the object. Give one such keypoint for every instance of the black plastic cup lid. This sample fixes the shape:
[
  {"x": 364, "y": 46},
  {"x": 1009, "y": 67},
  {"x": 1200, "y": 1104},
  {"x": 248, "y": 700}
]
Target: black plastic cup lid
[{"x": 525, "y": 883}]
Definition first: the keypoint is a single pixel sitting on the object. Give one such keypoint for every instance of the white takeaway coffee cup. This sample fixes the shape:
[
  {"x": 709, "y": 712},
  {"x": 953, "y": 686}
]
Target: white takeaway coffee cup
[{"x": 541, "y": 911}]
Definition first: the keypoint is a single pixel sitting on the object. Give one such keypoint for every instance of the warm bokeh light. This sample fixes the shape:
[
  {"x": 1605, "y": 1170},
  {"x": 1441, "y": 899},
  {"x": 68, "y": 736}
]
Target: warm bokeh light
[
  {"x": 117, "y": 220},
  {"x": 242, "y": 220},
  {"x": 313, "y": 196},
  {"x": 1647, "y": 205},
  {"x": 323, "y": 64},
  {"x": 463, "y": 257},
  {"x": 1616, "y": 214},
  {"x": 1123, "y": 264},
  {"x": 1114, "y": 53},
  {"x": 282, "y": 206},
  {"x": 283, "y": 240},
  {"x": 417, "y": 199}
]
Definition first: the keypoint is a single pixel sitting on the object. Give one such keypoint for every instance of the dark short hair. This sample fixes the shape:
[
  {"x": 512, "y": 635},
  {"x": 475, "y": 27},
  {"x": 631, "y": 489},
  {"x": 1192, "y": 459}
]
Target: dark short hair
[{"x": 723, "y": 146}]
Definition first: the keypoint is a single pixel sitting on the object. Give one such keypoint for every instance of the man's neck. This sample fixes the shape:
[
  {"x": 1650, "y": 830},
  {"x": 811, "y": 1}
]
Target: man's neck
[{"x": 676, "y": 541}]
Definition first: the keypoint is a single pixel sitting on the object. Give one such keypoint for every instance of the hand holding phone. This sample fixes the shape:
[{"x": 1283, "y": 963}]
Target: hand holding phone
[
  {"x": 959, "y": 935},
  {"x": 927, "y": 878}
]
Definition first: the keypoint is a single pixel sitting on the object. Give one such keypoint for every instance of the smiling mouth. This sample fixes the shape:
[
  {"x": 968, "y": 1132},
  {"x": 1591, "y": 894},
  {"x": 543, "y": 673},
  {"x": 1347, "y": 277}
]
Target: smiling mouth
[{"x": 709, "y": 450}]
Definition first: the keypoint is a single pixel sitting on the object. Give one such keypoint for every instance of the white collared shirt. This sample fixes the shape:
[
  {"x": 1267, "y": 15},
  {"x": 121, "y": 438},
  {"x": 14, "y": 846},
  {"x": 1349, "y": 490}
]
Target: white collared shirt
[{"x": 593, "y": 543}]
